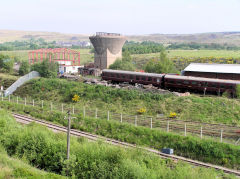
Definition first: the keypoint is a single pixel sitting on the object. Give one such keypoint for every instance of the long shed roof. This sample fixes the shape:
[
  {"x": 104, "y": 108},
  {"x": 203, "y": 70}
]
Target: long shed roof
[{"x": 213, "y": 68}]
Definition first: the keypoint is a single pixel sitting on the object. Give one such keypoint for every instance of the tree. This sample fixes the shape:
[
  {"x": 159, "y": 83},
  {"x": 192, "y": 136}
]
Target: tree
[
  {"x": 124, "y": 64},
  {"x": 46, "y": 69},
  {"x": 24, "y": 68},
  {"x": 6, "y": 64},
  {"x": 161, "y": 65}
]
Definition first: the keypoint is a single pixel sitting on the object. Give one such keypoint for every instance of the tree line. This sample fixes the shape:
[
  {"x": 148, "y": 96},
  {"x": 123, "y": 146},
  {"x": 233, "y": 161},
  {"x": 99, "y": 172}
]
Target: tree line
[
  {"x": 198, "y": 46},
  {"x": 153, "y": 47},
  {"x": 142, "y": 47},
  {"x": 31, "y": 44}
]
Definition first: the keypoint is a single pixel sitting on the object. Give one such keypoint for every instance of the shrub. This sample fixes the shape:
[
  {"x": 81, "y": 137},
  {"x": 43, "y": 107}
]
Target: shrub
[
  {"x": 163, "y": 65},
  {"x": 124, "y": 64},
  {"x": 46, "y": 69},
  {"x": 24, "y": 68}
]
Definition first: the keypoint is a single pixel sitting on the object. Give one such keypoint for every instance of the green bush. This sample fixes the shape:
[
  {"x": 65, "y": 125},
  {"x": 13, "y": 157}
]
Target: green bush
[
  {"x": 161, "y": 65},
  {"x": 24, "y": 68},
  {"x": 46, "y": 69},
  {"x": 124, "y": 64},
  {"x": 6, "y": 64}
]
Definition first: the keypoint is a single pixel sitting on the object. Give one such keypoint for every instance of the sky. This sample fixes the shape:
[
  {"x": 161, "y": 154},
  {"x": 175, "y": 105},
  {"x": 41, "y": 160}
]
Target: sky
[{"x": 129, "y": 17}]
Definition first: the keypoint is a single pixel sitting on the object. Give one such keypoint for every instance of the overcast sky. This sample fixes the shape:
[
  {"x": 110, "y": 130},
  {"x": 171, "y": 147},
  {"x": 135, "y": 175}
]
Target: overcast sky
[{"x": 121, "y": 16}]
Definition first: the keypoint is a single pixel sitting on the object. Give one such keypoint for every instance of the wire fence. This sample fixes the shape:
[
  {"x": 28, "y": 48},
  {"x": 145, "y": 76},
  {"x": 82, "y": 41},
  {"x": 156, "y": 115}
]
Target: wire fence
[{"x": 218, "y": 132}]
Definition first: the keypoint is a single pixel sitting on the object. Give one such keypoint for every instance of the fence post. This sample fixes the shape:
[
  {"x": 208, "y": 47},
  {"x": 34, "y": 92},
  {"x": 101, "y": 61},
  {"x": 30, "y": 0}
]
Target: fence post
[
  {"x": 185, "y": 129},
  {"x": 221, "y": 135},
  {"x": 42, "y": 103},
  {"x": 17, "y": 99},
  {"x": 9, "y": 98},
  {"x": 167, "y": 126},
  {"x": 108, "y": 116},
  {"x": 84, "y": 112},
  {"x": 151, "y": 123},
  {"x": 62, "y": 107},
  {"x": 135, "y": 120},
  {"x": 201, "y": 132},
  {"x": 51, "y": 106},
  {"x": 33, "y": 102},
  {"x": 73, "y": 110},
  {"x": 121, "y": 117},
  {"x": 96, "y": 113},
  {"x": 25, "y": 101}
]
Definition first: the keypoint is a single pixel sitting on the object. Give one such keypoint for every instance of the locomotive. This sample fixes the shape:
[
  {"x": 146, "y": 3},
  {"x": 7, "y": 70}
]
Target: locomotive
[{"x": 172, "y": 82}]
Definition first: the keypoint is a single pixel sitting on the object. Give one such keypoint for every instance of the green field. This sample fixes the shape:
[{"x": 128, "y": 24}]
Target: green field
[
  {"x": 22, "y": 55},
  {"x": 86, "y": 56},
  {"x": 194, "y": 53},
  {"x": 182, "y": 58}
]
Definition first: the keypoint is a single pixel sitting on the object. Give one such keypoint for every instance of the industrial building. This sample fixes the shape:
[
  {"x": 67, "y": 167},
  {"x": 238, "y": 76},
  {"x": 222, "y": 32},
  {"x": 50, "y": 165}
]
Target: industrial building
[
  {"x": 220, "y": 71},
  {"x": 108, "y": 47}
]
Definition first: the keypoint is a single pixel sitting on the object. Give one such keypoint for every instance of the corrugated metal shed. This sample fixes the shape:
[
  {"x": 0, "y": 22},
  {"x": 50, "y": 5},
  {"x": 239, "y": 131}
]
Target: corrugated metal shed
[{"x": 213, "y": 68}]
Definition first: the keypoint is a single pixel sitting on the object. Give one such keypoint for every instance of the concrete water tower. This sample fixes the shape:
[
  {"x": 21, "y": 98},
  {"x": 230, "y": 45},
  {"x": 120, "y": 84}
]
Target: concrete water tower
[{"x": 108, "y": 47}]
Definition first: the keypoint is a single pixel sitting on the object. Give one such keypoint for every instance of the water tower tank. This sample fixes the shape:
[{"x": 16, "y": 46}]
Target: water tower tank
[{"x": 108, "y": 47}]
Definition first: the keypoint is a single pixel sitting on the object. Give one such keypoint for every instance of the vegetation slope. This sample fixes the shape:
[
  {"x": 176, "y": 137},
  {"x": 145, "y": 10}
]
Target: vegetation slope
[
  {"x": 47, "y": 150},
  {"x": 196, "y": 108}
]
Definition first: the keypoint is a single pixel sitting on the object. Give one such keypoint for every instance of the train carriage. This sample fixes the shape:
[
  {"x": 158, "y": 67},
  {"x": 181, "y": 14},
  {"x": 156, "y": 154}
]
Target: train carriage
[
  {"x": 188, "y": 83},
  {"x": 133, "y": 77},
  {"x": 172, "y": 82}
]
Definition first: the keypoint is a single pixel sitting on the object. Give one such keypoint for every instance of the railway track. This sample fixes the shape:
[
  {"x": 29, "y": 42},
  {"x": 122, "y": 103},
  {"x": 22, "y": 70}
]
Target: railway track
[{"x": 26, "y": 119}]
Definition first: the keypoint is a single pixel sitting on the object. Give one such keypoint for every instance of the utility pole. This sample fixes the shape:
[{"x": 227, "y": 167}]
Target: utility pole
[{"x": 68, "y": 133}]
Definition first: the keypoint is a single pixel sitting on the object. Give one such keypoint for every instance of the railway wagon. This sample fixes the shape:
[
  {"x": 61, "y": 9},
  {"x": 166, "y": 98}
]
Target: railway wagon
[
  {"x": 133, "y": 77},
  {"x": 172, "y": 82},
  {"x": 199, "y": 84}
]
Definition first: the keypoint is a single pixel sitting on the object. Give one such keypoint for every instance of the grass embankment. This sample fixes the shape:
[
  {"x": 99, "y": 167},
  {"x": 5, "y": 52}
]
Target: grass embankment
[
  {"x": 7, "y": 80},
  {"x": 191, "y": 147},
  {"x": 14, "y": 168},
  {"x": 195, "y": 108},
  {"x": 47, "y": 150}
]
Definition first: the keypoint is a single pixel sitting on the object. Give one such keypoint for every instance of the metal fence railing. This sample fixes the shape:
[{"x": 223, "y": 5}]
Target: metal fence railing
[
  {"x": 218, "y": 132},
  {"x": 20, "y": 82}
]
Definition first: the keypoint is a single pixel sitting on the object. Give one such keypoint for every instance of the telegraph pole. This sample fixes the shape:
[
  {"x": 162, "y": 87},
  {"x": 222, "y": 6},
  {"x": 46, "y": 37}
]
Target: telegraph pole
[{"x": 68, "y": 134}]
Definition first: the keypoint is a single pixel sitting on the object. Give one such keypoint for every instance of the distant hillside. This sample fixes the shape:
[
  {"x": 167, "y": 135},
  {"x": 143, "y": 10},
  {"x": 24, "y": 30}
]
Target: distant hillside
[
  {"x": 12, "y": 35},
  {"x": 232, "y": 38}
]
